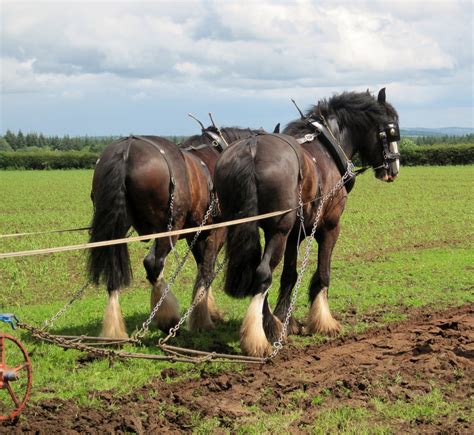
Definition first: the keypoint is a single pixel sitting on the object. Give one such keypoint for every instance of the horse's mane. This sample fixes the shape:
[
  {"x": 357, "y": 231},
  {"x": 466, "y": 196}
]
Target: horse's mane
[{"x": 359, "y": 110}]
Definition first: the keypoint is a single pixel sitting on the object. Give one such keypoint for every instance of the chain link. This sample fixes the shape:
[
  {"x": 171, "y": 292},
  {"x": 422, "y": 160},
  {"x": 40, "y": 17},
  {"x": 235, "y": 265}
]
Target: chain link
[
  {"x": 197, "y": 299},
  {"x": 146, "y": 325},
  {"x": 110, "y": 353},
  {"x": 278, "y": 345},
  {"x": 170, "y": 227},
  {"x": 49, "y": 323}
]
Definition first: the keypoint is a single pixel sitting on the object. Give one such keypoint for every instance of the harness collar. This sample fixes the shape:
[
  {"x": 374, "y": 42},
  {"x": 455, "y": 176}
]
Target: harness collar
[
  {"x": 326, "y": 137},
  {"x": 218, "y": 140}
]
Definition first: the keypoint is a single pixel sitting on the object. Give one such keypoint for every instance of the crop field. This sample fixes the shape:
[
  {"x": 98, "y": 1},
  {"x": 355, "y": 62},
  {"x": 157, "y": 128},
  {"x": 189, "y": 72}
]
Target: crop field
[{"x": 404, "y": 260}]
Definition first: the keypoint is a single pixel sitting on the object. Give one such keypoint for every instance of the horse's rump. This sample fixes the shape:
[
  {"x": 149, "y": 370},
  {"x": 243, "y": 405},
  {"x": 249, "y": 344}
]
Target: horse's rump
[{"x": 254, "y": 176}]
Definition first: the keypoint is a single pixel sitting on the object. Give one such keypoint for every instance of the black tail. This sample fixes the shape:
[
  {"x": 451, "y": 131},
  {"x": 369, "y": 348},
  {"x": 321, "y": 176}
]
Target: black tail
[
  {"x": 238, "y": 199},
  {"x": 110, "y": 221}
]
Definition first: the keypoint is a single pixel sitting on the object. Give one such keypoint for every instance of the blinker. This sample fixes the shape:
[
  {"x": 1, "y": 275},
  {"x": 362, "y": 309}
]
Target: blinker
[{"x": 393, "y": 132}]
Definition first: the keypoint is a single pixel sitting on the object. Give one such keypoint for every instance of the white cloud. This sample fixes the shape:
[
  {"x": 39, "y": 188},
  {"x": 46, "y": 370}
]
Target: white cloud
[{"x": 145, "y": 50}]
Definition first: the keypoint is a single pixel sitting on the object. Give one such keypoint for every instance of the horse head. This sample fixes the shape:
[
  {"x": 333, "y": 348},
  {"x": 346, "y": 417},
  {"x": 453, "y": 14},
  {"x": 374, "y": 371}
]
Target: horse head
[{"x": 380, "y": 147}]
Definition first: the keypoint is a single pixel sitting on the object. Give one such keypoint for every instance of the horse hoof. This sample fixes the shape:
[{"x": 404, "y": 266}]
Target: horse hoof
[
  {"x": 294, "y": 327},
  {"x": 200, "y": 325},
  {"x": 258, "y": 351},
  {"x": 330, "y": 328},
  {"x": 217, "y": 316},
  {"x": 166, "y": 326}
]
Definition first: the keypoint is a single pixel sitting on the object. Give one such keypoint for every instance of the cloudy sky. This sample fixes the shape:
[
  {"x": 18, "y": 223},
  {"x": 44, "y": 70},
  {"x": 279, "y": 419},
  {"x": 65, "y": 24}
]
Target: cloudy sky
[{"x": 117, "y": 67}]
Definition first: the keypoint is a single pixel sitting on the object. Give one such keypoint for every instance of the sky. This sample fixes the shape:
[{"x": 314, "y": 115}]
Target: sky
[{"x": 121, "y": 67}]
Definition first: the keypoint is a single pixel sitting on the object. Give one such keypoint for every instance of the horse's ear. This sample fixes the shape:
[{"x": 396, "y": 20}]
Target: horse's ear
[
  {"x": 367, "y": 91},
  {"x": 381, "y": 96},
  {"x": 277, "y": 128}
]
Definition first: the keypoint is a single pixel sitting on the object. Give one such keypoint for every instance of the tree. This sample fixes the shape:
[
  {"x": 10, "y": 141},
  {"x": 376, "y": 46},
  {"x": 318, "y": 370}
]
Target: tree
[
  {"x": 4, "y": 145},
  {"x": 20, "y": 141},
  {"x": 10, "y": 137},
  {"x": 42, "y": 141},
  {"x": 31, "y": 140}
]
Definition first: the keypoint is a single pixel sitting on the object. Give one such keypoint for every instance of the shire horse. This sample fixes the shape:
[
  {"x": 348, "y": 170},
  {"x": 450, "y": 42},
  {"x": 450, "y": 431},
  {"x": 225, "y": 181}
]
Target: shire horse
[
  {"x": 270, "y": 172},
  {"x": 152, "y": 185}
]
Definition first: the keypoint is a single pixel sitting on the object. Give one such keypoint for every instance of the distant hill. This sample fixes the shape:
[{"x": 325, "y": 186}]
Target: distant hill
[{"x": 445, "y": 131}]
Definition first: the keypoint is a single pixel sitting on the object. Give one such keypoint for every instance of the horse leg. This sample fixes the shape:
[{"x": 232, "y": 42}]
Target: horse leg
[
  {"x": 288, "y": 279},
  {"x": 113, "y": 325},
  {"x": 167, "y": 315},
  {"x": 320, "y": 318},
  {"x": 219, "y": 236},
  {"x": 205, "y": 312},
  {"x": 260, "y": 327}
]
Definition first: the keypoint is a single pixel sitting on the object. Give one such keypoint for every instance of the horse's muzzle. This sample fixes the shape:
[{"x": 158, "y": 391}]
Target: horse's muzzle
[{"x": 386, "y": 175}]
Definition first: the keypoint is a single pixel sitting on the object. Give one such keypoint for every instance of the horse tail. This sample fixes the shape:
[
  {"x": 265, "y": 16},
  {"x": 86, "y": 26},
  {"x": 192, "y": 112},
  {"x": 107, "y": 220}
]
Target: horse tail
[
  {"x": 238, "y": 199},
  {"x": 110, "y": 221}
]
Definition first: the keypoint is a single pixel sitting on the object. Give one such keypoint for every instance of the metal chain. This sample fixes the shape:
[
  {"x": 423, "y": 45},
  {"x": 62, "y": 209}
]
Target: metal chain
[
  {"x": 200, "y": 295},
  {"x": 111, "y": 353},
  {"x": 146, "y": 325},
  {"x": 78, "y": 295},
  {"x": 278, "y": 345},
  {"x": 170, "y": 226},
  {"x": 300, "y": 215}
]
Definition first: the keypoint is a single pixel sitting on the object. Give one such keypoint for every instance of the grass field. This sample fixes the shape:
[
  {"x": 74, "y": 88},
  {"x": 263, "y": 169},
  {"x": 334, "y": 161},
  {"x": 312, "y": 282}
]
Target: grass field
[{"x": 402, "y": 245}]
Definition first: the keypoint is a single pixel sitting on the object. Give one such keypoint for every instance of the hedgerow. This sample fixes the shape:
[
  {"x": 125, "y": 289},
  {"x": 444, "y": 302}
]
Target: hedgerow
[
  {"x": 429, "y": 155},
  {"x": 438, "y": 155},
  {"x": 47, "y": 160}
]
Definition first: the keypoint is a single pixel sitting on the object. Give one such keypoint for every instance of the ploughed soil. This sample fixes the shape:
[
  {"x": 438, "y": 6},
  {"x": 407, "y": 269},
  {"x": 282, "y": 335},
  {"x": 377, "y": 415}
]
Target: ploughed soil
[{"x": 401, "y": 361}]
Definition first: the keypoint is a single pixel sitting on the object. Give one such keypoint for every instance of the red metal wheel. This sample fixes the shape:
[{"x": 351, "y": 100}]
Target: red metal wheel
[{"x": 15, "y": 377}]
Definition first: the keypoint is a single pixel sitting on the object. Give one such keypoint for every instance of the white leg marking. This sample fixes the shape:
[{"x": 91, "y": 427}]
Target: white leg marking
[
  {"x": 113, "y": 324},
  {"x": 200, "y": 318},
  {"x": 320, "y": 318},
  {"x": 216, "y": 314},
  {"x": 167, "y": 315},
  {"x": 253, "y": 340}
]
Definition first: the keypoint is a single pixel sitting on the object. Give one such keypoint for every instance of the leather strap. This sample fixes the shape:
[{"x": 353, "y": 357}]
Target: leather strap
[
  {"x": 163, "y": 153},
  {"x": 292, "y": 145}
]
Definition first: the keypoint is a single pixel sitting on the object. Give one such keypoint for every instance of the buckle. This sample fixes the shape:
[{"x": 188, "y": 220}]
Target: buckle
[
  {"x": 309, "y": 137},
  {"x": 350, "y": 169}
]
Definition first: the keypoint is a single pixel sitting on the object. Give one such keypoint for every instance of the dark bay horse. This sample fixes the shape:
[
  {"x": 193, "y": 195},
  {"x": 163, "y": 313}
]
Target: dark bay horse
[
  {"x": 152, "y": 185},
  {"x": 271, "y": 172}
]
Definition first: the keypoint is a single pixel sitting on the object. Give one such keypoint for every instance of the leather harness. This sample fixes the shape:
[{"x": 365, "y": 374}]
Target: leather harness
[
  {"x": 326, "y": 138},
  {"x": 252, "y": 143},
  {"x": 203, "y": 165}
]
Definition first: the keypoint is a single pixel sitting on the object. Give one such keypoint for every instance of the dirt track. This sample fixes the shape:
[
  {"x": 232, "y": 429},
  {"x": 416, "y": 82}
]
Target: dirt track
[{"x": 402, "y": 360}]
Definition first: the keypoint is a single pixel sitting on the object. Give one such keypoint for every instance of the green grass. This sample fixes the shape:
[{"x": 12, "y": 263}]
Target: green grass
[{"x": 402, "y": 245}]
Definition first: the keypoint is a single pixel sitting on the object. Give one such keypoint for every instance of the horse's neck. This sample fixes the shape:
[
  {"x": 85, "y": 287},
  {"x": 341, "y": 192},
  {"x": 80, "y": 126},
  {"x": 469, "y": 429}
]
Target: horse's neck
[
  {"x": 237, "y": 133},
  {"x": 344, "y": 138}
]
